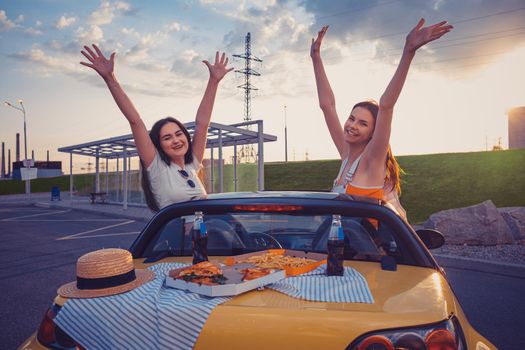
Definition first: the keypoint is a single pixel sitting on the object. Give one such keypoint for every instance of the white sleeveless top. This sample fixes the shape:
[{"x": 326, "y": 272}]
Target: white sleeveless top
[
  {"x": 390, "y": 195},
  {"x": 169, "y": 186}
]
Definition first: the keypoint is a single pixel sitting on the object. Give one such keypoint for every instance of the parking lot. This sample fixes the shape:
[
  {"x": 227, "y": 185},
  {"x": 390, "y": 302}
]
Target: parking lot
[
  {"x": 38, "y": 254},
  {"x": 40, "y": 247}
]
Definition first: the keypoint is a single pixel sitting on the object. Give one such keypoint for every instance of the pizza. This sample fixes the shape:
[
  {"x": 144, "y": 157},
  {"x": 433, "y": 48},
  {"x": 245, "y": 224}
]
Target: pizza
[{"x": 205, "y": 272}]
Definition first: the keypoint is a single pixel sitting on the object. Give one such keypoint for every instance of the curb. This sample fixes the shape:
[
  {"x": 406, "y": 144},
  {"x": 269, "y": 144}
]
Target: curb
[{"x": 479, "y": 265}]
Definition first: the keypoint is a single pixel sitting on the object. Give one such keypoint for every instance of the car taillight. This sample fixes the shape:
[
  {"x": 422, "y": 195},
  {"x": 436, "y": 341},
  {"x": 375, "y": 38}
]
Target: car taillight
[
  {"x": 52, "y": 336},
  {"x": 269, "y": 207},
  {"x": 446, "y": 335},
  {"x": 46, "y": 331},
  {"x": 440, "y": 339},
  {"x": 376, "y": 342}
]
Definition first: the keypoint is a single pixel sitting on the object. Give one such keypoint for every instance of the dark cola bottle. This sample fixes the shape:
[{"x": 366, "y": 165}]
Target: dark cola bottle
[
  {"x": 335, "y": 247},
  {"x": 199, "y": 239}
]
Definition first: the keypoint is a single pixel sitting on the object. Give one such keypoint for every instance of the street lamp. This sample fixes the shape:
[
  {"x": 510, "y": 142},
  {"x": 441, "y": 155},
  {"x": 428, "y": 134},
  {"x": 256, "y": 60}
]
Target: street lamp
[
  {"x": 23, "y": 110},
  {"x": 285, "y": 137}
]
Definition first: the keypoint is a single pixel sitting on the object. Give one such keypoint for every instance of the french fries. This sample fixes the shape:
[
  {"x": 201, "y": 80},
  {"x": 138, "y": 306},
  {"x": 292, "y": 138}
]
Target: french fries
[{"x": 276, "y": 261}]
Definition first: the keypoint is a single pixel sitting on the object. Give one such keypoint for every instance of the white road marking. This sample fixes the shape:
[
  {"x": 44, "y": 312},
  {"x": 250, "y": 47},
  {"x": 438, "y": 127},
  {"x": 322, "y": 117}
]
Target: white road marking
[
  {"x": 105, "y": 235},
  {"x": 41, "y": 214},
  {"x": 95, "y": 230},
  {"x": 69, "y": 220},
  {"x": 7, "y": 210}
]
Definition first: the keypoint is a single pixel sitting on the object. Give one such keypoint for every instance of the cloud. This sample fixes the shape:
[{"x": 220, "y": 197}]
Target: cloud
[
  {"x": 481, "y": 27},
  {"x": 187, "y": 64},
  {"x": 6, "y": 23},
  {"x": 64, "y": 22},
  {"x": 94, "y": 34},
  {"x": 32, "y": 31},
  {"x": 107, "y": 11},
  {"x": 176, "y": 27},
  {"x": 48, "y": 63}
]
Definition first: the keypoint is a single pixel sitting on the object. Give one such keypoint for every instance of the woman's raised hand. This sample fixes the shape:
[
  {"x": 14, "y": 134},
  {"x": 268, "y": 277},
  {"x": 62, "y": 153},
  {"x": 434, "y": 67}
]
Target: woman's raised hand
[
  {"x": 420, "y": 35},
  {"x": 99, "y": 63},
  {"x": 315, "y": 48},
  {"x": 218, "y": 70}
]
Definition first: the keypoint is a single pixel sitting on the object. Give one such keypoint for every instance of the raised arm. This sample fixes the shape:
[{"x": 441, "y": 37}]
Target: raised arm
[
  {"x": 377, "y": 148},
  {"x": 325, "y": 94},
  {"x": 104, "y": 68},
  {"x": 202, "y": 120}
]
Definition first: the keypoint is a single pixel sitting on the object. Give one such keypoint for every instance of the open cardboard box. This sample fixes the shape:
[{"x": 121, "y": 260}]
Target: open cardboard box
[
  {"x": 290, "y": 271},
  {"x": 234, "y": 285}
]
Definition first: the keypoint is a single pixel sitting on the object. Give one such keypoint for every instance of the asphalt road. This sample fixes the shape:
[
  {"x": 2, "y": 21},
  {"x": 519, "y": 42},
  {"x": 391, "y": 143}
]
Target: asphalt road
[
  {"x": 38, "y": 253},
  {"x": 40, "y": 247}
]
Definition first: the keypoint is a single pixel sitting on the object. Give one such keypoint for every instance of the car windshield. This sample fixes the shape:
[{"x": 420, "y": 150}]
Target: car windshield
[{"x": 241, "y": 232}]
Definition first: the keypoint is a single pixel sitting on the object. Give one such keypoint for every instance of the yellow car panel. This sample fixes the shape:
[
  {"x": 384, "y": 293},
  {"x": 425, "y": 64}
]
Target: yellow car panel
[{"x": 410, "y": 296}]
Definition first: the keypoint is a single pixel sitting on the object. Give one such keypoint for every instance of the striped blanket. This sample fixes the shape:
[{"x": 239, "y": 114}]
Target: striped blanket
[
  {"x": 149, "y": 317},
  {"x": 155, "y": 317},
  {"x": 316, "y": 286}
]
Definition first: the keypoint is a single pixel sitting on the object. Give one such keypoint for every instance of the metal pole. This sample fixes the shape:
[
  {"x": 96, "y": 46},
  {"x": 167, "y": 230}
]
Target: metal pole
[
  {"x": 285, "y": 137},
  {"x": 117, "y": 179},
  {"x": 28, "y": 182},
  {"x": 221, "y": 175},
  {"x": 70, "y": 176},
  {"x": 124, "y": 183},
  {"x": 129, "y": 177},
  {"x": 107, "y": 177},
  {"x": 2, "y": 172},
  {"x": 211, "y": 171},
  {"x": 235, "y": 166},
  {"x": 97, "y": 173},
  {"x": 23, "y": 110},
  {"x": 260, "y": 158}
]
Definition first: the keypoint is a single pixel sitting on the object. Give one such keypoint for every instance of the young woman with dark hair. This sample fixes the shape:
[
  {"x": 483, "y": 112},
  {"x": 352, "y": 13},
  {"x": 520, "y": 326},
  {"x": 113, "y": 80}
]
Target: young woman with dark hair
[
  {"x": 368, "y": 167},
  {"x": 170, "y": 159}
]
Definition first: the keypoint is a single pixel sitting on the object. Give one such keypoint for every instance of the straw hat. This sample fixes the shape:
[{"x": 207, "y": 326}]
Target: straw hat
[{"x": 105, "y": 272}]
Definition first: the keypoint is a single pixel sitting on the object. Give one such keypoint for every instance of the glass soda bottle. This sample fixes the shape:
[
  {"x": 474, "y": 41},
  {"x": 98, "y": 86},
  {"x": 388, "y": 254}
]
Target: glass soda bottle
[
  {"x": 335, "y": 247},
  {"x": 199, "y": 239}
]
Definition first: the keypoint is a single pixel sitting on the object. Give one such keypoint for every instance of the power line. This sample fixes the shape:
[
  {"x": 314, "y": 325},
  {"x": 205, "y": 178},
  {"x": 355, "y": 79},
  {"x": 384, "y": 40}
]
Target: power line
[
  {"x": 454, "y": 22},
  {"x": 357, "y": 9},
  {"x": 398, "y": 50},
  {"x": 445, "y": 40}
]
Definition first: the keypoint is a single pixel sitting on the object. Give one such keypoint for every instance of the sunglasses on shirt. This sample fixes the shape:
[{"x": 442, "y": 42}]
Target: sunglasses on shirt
[{"x": 185, "y": 175}]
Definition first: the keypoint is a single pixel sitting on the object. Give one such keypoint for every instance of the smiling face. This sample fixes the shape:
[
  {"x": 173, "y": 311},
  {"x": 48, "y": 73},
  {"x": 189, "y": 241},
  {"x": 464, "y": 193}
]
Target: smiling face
[
  {"x": 359, "y": 127},
  {"x": 173, "y": 141}
]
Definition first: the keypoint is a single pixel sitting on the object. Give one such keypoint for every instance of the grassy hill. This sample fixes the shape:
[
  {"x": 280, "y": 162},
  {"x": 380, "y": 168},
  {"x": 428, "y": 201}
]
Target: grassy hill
[{"x": 431, "y": 182}]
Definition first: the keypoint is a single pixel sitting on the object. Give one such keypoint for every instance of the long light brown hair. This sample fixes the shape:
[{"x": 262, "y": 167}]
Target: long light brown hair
[{"x": 393, "y": 170}]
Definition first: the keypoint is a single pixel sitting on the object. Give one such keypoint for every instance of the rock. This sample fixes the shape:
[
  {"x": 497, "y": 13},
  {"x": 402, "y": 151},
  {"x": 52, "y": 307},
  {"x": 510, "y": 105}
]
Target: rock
[
  {"x": 515, "y": 218},
  {"x": 480, "y": 224}
]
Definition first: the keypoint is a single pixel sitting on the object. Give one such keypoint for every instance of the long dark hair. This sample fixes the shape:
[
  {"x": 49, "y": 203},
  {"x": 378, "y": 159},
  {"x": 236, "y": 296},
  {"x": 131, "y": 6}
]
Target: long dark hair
[
  {"x": 154, "y": 134},
  {"x": 393, "y": 170}
]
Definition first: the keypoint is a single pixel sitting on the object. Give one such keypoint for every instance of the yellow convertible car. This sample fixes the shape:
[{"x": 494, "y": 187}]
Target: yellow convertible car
[{"x": 411, "y": 305}]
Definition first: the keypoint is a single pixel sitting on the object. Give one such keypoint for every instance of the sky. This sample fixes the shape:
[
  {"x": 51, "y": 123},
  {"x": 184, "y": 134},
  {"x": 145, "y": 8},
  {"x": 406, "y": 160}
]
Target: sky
[{"x": 455, "y": 99}]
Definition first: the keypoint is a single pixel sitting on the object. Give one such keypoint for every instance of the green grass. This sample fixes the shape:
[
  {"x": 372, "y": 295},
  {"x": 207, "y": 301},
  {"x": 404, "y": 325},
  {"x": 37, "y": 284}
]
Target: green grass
[
  {"x": 83, "y": 184},
  {"x": 431, "y": 182}
]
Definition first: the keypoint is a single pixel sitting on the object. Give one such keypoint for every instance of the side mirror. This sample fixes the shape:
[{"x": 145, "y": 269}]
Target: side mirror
[{"x": 433, "y": 239}]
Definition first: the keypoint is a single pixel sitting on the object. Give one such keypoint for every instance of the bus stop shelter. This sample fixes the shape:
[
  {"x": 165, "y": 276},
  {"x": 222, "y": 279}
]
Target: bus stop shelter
[{"x": 219, "y": 136}]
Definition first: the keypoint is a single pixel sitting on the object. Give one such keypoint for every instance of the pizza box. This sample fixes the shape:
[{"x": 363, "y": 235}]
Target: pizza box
[
  {"x": 290, "y": 271},
  {"x": 234, "y": 284}
]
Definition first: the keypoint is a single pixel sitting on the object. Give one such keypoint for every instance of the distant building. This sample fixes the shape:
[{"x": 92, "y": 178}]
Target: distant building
[
  {"x": 517, "y": 127},
  {"x": 45, "y": 169}
]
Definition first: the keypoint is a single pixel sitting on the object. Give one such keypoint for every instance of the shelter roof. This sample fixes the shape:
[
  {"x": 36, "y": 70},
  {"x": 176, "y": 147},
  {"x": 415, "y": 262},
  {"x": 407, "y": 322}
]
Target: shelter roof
[{"x": 120, "y": 146}]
